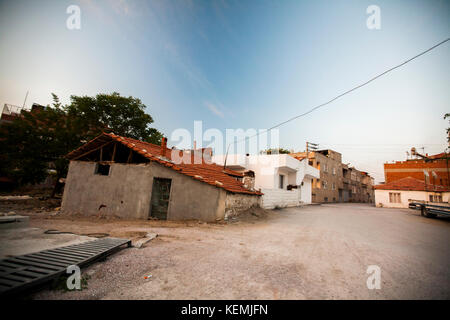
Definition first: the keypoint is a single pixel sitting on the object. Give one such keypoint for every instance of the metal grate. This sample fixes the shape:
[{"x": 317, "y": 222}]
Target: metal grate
[{"x": 21, "y": 273}]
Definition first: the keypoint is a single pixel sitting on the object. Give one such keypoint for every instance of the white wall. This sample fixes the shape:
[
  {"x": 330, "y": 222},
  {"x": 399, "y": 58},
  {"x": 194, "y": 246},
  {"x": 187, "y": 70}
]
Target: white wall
[
  {"x": 382, "y": 197},
  {"x": 267, "y": 170},
  {"x": 280, "y": 198},
  {"x": 306, "y": 191}
]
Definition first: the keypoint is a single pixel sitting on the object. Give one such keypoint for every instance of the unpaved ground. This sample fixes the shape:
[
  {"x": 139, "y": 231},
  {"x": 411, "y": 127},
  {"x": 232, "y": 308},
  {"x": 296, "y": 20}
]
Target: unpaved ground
[
  {"x": 14, "y": 242},
  {"x": 316, "y": 252}
]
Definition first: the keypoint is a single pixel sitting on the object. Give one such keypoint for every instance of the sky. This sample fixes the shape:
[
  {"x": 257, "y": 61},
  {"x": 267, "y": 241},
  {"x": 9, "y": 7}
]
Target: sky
[{"x": 245, "y": 64}]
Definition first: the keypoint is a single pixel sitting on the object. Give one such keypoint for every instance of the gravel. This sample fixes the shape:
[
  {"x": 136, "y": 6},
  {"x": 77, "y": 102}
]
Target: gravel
[{"x": 312, "y": 252}]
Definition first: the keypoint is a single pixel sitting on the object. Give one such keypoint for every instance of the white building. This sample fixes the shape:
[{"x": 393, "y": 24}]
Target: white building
[
  {"x": 284, "y": 180},
  {"x": 398, "y": 194}
]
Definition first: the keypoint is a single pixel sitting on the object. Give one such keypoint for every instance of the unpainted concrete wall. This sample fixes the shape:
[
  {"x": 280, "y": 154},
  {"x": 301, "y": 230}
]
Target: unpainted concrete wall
[
  {"x": 235, "y": 203},
  {"x": 126, "y": 193}
]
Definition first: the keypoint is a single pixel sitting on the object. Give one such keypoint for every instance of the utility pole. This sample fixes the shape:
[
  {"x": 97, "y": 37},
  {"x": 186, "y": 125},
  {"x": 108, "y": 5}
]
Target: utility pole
[{"x": 311, "y": 146}]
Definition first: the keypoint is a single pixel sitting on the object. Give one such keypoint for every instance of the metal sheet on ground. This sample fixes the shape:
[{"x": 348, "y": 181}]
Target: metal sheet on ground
[{"x": 21, "y": 273}]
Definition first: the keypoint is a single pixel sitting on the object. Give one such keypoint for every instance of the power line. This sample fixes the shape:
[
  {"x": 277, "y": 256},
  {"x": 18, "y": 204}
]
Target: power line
[{"x": 346, "y": 92}]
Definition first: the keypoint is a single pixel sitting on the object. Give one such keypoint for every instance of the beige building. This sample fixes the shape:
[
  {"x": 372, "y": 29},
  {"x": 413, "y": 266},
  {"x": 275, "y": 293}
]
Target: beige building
[
  {"x": 358, "y": 185},
  {"x": 338, "y": 182},
  {"x": 399, "y": 193}
]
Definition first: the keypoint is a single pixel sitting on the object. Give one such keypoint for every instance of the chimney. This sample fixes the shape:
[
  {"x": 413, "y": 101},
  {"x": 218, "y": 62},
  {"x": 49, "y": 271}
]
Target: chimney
[{"x": 163, "y": 146}]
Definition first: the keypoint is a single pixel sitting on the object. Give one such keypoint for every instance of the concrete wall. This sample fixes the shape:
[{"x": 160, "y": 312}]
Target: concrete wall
[
  {"x": 306, "y": 191},
  {"x": 382, "y": 197},
  {"x": 280, "y": 198},
  {"x": 126, "y": 192},
  {"x": 235, "y": 203}
]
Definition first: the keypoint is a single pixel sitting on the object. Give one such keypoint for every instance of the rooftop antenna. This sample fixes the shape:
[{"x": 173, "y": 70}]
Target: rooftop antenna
[
  {"x": 24, "y": 101},
  {"x": 226, "y": 156}
]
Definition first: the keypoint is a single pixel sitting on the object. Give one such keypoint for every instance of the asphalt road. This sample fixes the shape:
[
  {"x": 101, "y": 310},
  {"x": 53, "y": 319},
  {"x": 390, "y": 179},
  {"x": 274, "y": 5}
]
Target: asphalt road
[{"x": 313, "y": 252}]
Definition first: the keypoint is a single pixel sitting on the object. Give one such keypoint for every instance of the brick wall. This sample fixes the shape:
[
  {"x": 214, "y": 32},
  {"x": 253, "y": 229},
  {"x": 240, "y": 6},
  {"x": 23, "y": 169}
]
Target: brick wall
[{"x": 415, "y": 169}]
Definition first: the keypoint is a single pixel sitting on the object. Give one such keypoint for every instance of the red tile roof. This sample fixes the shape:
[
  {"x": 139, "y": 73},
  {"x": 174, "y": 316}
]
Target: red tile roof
[
  {"x": 442, "y": 155},
  {"x": 300, "y": 158},
  {"x": 212, "y": 174},
  {"x": 410, "y": 184}
]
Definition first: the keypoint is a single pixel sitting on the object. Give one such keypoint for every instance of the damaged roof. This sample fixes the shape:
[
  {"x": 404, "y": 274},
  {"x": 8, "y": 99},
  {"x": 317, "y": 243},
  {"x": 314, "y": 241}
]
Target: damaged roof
[
  {"x": 209, "y": 173},
  {"x": 410, "y": 184}
]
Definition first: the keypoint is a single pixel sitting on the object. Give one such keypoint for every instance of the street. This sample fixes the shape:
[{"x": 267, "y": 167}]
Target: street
[{"x": 312, "y": 252}]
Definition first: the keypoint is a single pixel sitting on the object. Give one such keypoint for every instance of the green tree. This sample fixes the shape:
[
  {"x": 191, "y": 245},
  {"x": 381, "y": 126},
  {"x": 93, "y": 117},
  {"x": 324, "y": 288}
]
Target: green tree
[
  {"x": 39, "y": 139},
  {"x": 275, "y": 151},
  {"x": 124, "y": 116}
]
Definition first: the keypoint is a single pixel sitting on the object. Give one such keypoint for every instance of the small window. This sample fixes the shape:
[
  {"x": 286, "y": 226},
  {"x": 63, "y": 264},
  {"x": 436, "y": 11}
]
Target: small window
[
  {"x": 102, "y": 169},
  {"x": 435, "y": 198},
  {"x": 394, "y": 197},
  {"x": 325, "y": 199},
  {"x": 281, "y": 181}
]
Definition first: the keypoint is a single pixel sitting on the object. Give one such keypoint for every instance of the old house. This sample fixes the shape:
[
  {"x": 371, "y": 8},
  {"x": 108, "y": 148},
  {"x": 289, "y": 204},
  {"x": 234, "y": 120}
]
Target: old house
[
  {"x": 117, "y": 176},
  {"x": 284, "y": 180},
  {"x": 399, "y": 193}
]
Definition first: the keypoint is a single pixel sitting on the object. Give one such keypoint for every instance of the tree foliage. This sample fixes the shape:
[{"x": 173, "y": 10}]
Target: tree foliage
[
  {"x": 275, "y": 151},
  {"x": 39, "y": 139}
]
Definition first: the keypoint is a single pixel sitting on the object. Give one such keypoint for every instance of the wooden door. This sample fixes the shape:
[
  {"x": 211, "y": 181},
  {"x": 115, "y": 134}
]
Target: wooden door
[{"x": 160, "y": 198}]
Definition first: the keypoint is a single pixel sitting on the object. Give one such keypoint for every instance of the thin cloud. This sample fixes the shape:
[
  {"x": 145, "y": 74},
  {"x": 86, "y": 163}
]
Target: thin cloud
[
  {"x": 214, "y": 109},
  {"x": 120, "y": 6}
]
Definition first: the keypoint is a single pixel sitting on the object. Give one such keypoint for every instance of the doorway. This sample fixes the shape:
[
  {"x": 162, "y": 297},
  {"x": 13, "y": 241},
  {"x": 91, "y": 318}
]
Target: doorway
[{"x": 160, "y": 198}]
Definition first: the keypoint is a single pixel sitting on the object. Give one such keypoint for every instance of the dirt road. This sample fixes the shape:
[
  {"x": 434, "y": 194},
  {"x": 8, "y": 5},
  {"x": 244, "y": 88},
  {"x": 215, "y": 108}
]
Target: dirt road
[{"x": 314, "y": 252}]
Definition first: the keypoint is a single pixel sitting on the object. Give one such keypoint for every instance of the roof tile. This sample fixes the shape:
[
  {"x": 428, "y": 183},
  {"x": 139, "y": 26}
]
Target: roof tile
[{"x": 410, "y": 184}]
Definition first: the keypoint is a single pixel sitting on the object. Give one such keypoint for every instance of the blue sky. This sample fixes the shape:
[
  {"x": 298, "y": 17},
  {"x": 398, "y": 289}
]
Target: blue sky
[{"x": 245, "y": 64}]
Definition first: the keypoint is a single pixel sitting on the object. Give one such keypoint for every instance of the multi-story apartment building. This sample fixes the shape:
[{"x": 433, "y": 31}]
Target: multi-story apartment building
[
  {"x": 338, "y": 182},
  {"x": 358, "y": 185}
]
